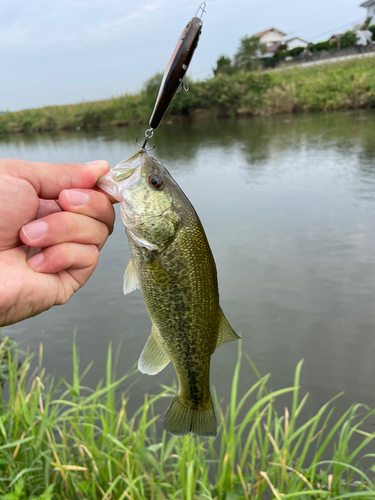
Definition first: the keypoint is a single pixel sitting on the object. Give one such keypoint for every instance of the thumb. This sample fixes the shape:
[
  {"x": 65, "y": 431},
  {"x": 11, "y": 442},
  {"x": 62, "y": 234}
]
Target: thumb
[{"x": 49, "y": 179}]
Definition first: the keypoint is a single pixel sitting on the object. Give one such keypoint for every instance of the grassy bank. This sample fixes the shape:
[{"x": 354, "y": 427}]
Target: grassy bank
[
  {"x": 346, "y": 85},
  {"x": 65, "y": 441}
]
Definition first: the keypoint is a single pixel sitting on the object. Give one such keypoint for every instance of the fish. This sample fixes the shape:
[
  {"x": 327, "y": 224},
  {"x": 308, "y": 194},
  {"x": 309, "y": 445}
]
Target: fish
[{"x": 173, "y": 266}]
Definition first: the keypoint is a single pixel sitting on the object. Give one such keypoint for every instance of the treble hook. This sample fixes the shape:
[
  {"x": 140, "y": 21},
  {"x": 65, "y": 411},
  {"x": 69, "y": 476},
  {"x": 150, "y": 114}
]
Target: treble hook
[
  {"x": 182, "y": 86},
  {"x": 148, "y": 134}
]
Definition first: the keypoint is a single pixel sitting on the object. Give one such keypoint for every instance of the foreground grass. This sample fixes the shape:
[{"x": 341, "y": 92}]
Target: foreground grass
[
  {"x": 345, "y": 85},
  {"x": 62, "y": 441}
]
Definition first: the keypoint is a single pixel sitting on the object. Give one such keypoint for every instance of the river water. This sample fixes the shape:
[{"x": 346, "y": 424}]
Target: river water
[{"x": 288, "y": 205}]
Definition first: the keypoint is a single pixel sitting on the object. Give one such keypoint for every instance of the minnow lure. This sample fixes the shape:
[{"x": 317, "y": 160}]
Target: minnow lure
[{"x": 173, "y": 78}]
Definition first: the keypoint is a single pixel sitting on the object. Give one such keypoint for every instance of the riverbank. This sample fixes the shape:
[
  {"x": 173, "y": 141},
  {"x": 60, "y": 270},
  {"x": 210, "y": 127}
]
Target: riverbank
[
  {"x": 67, "y": 441},
  {"x": 343, "y": 85}
]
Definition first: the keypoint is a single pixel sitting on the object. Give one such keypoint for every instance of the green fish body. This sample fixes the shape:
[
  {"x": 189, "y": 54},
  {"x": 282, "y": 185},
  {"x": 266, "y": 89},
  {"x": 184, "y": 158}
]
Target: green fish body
[{"x": 172, "y": 264}]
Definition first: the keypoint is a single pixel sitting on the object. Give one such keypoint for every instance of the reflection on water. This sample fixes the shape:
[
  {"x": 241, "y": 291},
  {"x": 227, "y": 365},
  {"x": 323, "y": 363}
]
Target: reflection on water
[{"x": 288, "y": 204}]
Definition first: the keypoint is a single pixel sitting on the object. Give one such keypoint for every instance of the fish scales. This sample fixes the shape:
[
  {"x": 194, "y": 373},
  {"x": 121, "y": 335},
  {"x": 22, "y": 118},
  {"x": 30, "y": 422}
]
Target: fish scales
[
  {"x": 185, "y": 309},
  {"x": 172, "y": 264}
]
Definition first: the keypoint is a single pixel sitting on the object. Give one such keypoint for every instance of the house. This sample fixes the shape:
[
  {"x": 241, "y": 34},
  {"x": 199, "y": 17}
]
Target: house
[
  {"x": 336, "y": 38},
  {"x": 294, "y": 42},
  {"x": 271, "y": 36},
  {"x": 370, "y": 6},
  {"x": 272, "y": 39},
  {"x": 364, "y": 37}
]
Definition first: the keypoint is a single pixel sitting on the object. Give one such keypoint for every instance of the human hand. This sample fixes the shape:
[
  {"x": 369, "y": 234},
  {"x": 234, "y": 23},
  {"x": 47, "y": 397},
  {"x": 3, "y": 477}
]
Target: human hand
[{"x": 49, "y": 206}]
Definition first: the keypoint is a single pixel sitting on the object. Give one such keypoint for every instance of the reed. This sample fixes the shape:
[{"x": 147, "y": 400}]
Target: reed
[{"x": 61, "y": 440}]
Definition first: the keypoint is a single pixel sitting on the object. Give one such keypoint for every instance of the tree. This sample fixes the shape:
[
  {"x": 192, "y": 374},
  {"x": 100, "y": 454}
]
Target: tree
[
  {"x": 366, "y": 24},
  {"x": 150, "y": 89},
  {"x": 224, "y": 66},
  {"x": 247, "y": 56},
  {"x": 372, "y": 29},
  {"x": 349, "y": 40}
]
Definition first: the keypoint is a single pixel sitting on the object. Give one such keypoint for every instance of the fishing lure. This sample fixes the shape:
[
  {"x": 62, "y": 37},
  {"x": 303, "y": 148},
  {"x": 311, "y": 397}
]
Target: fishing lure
[{"x": 173, "y": 78}]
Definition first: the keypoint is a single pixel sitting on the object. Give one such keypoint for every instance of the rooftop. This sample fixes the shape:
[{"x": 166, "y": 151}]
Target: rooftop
[
  {"x": 296, "y": 38},
  {"x": 262, "y": 33},
  {"x": 274, "y": 47},
  {"x": 368, "y": 3}
]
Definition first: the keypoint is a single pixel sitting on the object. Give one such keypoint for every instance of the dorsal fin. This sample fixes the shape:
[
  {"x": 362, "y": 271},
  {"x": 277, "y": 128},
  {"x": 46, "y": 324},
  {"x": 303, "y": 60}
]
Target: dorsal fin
[
  {"x": 130, "y": 278},
  {"x": 226, "y": 332},
  {"x": 153, "y": 357}
]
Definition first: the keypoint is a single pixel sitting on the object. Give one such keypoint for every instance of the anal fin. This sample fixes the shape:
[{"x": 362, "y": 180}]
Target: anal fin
[
  {"x": 153, "y": 357},
  {"x": 130, "y": 278},
  {"x": 226, "y": 332}
]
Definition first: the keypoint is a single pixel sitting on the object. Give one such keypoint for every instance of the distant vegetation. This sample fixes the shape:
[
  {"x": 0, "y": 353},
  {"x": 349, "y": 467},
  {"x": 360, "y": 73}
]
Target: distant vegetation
[
  {"x": 247, "y": 57},
  {"x": 65, "y": 441},
  {"x": 326, "y": 87},
  {"x": 348, "y": 39}
]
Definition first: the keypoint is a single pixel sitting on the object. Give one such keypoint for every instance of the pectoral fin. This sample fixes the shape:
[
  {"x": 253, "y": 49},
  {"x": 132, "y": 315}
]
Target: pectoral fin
[
  {"x": 226, "y": 332},
  {"x": 154, "y": 357},
  {"x": 141, "y": 243},
  {"x": 159, "y": 275},
  {"x": 130, "y": 278}
]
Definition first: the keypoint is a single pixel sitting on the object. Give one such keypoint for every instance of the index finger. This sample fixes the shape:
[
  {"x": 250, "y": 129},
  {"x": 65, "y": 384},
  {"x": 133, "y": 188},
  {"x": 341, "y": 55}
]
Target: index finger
[{"x": 49, "y": 179}]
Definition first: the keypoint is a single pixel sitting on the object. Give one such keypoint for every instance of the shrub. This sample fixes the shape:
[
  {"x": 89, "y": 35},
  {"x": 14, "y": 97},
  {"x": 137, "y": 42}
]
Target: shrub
[
  {"x": 280, "y": 55},
  {"x": 281, "y": 99},
  {"x": 322, "y": 46},
  {"x": 224, "y": 66},
  {"x": 296, "y": 51},
  {"x": 349, "y": 40}
]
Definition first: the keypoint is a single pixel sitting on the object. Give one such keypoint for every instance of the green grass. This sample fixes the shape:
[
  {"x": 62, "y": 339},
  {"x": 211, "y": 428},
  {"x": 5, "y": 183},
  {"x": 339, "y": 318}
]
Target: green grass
[
  {"x": 328, "y": 87},
  {"x": 66, "y": 441}
]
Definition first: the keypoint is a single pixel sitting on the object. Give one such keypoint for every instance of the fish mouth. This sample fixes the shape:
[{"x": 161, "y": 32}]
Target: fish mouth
[
  {"x": 108, "y": 185},
  {"x": 124, "y": 176}
]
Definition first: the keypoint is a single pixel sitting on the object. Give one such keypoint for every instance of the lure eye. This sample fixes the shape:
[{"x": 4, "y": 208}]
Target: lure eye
[{"x": 155, "y": 181}]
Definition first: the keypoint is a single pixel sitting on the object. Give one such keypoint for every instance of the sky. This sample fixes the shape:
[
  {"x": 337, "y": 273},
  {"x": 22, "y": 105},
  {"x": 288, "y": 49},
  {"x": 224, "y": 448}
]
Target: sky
[{"x": 67, "y": 51}]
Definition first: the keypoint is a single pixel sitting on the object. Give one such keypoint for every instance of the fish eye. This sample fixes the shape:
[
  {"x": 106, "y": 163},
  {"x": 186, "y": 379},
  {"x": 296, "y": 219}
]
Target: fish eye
[{"x": 155, "y": 181}]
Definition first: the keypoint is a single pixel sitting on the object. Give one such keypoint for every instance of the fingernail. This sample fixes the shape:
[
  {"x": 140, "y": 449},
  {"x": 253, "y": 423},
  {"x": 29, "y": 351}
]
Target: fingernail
[
  {"x": 97, "y": 163},
  {"x": 36, "y": 261},
  {"x": 35, "y": 230},
  {"x": 76, "y": 198}
]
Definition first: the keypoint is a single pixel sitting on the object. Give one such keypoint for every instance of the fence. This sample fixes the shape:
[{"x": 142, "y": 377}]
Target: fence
[{"x": 331, "y": 56}]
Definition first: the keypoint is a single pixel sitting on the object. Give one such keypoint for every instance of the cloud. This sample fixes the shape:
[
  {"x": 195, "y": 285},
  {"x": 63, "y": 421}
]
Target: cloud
[{"x": 49, "y": 25}]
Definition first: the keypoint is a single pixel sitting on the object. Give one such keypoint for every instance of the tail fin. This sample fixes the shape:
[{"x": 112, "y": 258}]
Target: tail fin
[{"x": 180, "y": 419}]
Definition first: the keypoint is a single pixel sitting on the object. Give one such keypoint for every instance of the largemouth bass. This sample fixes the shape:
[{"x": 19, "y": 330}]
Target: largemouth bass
[{"x": 172, "y": 264}]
